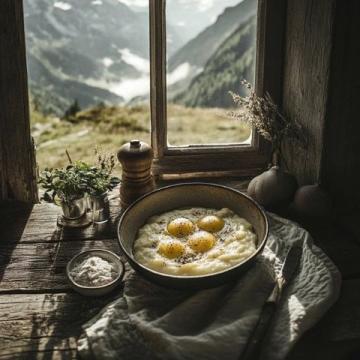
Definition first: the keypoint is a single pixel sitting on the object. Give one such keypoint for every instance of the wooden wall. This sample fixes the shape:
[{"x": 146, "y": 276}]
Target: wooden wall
[
  {"x": 340, "y": 171},
  {"x": 17, "y": 159},
  {"x": 306, "y": 80},
  {"x": 321, "y": 90}
]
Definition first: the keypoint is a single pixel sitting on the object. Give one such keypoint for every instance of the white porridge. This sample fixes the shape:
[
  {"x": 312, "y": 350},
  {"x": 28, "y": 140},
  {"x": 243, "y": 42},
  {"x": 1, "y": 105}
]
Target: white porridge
[{"x": 194, "y": 241}]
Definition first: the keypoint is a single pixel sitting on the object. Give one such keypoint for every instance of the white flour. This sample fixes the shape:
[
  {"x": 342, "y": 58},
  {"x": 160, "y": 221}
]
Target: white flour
[{"x": 93, "y": 271}]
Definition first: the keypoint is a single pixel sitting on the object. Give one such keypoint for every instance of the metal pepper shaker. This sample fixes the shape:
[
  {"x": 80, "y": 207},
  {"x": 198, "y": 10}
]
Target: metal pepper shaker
[{"x": 136, "y": 159}]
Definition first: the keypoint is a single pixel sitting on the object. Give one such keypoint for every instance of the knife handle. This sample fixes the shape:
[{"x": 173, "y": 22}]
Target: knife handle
[{"x": 254, "y": 345}]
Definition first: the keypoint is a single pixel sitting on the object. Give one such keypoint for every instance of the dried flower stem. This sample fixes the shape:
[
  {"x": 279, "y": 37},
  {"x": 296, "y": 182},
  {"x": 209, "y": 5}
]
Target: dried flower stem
[
  {"x": 68, "y": 156},
  {"x": 263, "y": 114}
]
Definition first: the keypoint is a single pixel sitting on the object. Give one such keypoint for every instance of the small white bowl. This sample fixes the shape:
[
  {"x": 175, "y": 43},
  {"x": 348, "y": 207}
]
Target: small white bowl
[{"x": 101, "y": 289}]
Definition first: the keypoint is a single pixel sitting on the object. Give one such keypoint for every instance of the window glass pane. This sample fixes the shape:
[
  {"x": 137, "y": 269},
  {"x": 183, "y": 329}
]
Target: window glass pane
[
  {"x": 88, "y": 68},
  {"x": 211, "y": 48}
]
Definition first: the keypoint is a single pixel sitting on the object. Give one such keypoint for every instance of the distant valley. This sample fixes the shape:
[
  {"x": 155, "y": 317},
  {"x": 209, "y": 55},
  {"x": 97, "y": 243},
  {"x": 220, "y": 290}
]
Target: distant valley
[{"x": 96, "y": 51}]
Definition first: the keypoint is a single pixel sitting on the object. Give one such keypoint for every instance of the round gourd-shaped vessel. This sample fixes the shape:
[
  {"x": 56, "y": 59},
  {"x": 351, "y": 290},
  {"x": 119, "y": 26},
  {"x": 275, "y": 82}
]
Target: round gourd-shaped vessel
[
  {"x": 273, "y": 188},
  {"x": 312, "y": 201}
]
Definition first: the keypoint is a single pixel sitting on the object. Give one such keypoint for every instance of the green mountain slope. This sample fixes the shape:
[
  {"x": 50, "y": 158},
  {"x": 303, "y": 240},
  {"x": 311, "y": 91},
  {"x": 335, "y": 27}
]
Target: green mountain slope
[
  {"x": 232, "y": 62},
  {"x": 199, "y": 50}
]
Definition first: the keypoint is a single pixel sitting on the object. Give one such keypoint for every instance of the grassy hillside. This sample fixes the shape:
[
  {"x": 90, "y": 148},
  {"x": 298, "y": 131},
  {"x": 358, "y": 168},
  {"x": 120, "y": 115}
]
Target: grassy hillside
[
  {"x": 110, "y": 127},
  {"x": 232, "y": 62}
]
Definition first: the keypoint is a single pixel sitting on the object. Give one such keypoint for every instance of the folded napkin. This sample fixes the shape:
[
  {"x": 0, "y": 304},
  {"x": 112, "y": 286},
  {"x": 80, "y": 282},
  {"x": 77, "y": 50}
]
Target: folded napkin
[{"x": 152, "y": 322}]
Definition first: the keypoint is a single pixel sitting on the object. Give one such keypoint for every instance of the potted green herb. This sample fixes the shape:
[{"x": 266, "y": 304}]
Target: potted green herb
[
  {"x": 69, "y": 186},
  {"x": 74, "y": 185},
  {"x": 100, "y": 182}
]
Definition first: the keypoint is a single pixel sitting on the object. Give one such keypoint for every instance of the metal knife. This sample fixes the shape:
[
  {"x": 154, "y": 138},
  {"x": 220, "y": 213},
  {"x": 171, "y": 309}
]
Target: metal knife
[{"x": 254, "y": 345}]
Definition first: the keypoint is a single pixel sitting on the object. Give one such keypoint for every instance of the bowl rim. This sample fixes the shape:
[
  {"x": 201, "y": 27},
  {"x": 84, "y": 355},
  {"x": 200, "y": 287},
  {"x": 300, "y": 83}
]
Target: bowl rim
[
  {"x": 72, "y": 261},
  {"x": 204, "y": 276}
]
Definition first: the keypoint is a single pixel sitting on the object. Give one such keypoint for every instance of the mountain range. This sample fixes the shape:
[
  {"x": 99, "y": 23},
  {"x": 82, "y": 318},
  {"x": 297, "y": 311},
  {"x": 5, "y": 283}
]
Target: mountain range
[
  {"x": 198, "y": 52},
  {"x": 233, "y": 61},
  {"x": 96, "y": 51},
  {"x": 75, "y": 49}
]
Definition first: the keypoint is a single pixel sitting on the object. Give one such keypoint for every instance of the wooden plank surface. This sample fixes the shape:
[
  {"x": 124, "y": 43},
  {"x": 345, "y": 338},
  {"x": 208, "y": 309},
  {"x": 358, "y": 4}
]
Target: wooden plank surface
[
  {"x": 22, "y": 223},
  {"x": 40, "y": 267},
  {"x": 45, "y": 326}
]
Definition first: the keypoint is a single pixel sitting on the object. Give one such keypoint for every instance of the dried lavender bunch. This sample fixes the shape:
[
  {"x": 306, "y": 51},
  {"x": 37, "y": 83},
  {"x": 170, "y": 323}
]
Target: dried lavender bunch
[
  {"x": 263, "y": 114},
  {"x": 106, "y": 162},
  {"x": 99, "y": 177}
]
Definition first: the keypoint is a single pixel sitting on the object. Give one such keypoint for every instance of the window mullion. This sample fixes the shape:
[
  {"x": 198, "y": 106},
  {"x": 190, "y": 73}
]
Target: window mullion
[{"x": 158, "y": 76}]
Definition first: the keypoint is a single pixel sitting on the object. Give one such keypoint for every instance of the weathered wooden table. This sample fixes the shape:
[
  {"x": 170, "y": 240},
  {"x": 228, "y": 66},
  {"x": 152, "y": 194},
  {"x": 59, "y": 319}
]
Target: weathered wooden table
[{"x": 41, "y": 317}]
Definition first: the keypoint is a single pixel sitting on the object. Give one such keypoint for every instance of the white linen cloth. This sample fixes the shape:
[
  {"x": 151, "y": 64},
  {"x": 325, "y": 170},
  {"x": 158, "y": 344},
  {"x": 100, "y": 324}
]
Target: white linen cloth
[{"x": 151, "y": 322}]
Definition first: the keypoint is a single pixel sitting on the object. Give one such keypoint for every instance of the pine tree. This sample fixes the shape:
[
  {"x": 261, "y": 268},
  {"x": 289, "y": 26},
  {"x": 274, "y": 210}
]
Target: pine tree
[{"x": 72, "y": 110}]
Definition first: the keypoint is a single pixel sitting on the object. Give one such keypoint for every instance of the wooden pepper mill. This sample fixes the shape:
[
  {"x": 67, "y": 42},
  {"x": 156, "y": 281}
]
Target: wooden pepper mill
[{"x": 136, "y": 159}]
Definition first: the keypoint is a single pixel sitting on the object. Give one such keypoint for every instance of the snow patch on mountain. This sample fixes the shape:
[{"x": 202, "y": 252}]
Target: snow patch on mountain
[
  {"x": 140, "y": 3},
  {"x": 107, "y": 61},
  {"x": 62, "y": 5},
  {"x": 139, "y": 63},
  {"x": 180, "y": 73},
  {"x": 132, "y": 88}
]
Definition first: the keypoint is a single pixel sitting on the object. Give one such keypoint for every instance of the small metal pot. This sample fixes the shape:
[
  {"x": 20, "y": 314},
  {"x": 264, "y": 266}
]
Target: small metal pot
[
  {"x": 99, "y": 206},
  {"x": 75, "y": 208}
]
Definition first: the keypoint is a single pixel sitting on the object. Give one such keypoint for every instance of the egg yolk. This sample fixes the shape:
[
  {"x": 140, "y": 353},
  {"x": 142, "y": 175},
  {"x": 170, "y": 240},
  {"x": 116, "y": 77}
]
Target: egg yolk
[
  {"x": 171, "y": 249},
  {"x": 201, "y": 241},
  {"x": 180, "y": 227},
  {"x": 211, "y": 223}
]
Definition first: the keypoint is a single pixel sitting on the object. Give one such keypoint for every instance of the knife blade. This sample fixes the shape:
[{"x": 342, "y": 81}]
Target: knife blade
[
  {"x": 288, "y": 269},
  {"x": 254, "y": 345},
  {"x": 291, "y": 264}
]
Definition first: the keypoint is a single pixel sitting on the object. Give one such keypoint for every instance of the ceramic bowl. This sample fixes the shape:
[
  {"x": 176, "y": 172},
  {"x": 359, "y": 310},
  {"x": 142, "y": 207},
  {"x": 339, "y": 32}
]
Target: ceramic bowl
[
  {"x": 96, "y": 290},
  {"x": 190, "y": 195}
]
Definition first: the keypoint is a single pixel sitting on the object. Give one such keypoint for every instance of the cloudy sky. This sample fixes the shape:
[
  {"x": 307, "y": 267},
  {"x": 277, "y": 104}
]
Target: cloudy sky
[
  {"x": 191, "y": 15},
  {"x": 202, "y": 5}
]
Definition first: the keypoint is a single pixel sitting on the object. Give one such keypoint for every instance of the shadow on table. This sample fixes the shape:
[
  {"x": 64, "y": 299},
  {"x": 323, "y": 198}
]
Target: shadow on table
[
  {"x": 14, "y": 217},
  {"x": 57, "y": 321},
  {"x": 57, "y": 324}
]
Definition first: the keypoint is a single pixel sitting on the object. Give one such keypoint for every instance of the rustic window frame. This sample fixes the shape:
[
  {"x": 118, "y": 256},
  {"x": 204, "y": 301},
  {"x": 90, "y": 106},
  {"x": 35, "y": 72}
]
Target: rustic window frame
[
  {"x": 18, "y": 164},
  {"x": 214, "y": 160}
]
